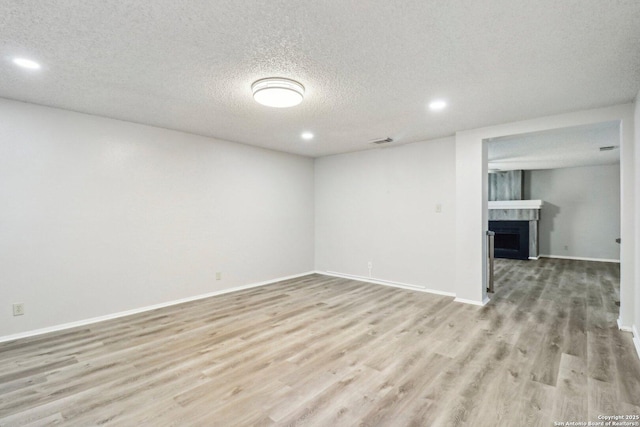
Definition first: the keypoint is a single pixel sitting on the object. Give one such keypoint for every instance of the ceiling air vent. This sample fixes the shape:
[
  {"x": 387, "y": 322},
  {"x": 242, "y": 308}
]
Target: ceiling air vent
[
  {"x": 608, "y": 148},
  {"x": 381, "y": 141}
]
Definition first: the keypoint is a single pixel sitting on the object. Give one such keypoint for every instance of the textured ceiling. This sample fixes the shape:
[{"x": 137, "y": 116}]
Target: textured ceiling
[
  {"x": 369, "y": 68},
  {"x": 560, "y": 148}
]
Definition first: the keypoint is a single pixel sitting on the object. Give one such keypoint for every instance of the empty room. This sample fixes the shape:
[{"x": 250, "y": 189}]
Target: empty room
[{"x": 330, "y": 213}]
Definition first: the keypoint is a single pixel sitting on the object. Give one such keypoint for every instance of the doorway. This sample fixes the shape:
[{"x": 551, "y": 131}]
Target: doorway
[{"x": 472, "y": 203}]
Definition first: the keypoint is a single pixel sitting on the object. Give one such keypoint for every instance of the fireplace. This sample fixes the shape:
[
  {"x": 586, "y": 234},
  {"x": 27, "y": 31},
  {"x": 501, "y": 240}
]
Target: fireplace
[
  {"x": 515, "y": 221},
  {"x": 511, "y": 239}
]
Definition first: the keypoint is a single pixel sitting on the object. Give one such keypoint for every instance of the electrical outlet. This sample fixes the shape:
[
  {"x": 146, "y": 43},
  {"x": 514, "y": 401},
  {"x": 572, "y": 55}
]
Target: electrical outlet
[
  {"x": 438, "y": 208},
  {"x": 566, "y": 248},
  {"x": 370, "y": 265},
  {"x": 218, "y": 276},
  {"x": 18, "y": 309}
]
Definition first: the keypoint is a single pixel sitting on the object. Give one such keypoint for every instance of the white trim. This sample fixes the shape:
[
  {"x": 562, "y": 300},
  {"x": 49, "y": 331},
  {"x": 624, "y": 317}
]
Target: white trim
[
  {"x": 534, "y": 258},
  {"x": 515, "y": 204},
  {"x": 636, "y": 340},
  {"x": 473, "y": 302},
  {"x": 143, "y": 309},
  {"x": 624, "y": 328},
  {"x": 387, "y": 283},
  {"x": 579, "y": 258},
  {"x": 403, "y": 286},
  {"x": 634, "y": 332}
]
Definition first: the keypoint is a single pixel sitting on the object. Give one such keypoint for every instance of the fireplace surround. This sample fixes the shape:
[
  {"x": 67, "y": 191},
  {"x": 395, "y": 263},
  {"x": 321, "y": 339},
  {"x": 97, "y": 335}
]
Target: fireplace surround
[{"x": 524, "y": 212}]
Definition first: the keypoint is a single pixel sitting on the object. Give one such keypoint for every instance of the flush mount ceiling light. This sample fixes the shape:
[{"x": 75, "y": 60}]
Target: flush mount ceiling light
[
  {"x": 437, "y": 105},
  {"x": 277, "y": 92},
  {"x": 307, "y": 135},
  {"x": 26, "y": 63}
]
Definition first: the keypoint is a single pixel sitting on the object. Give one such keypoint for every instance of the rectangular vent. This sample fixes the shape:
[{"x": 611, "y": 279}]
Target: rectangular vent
[{"x": 381, "y": 141}]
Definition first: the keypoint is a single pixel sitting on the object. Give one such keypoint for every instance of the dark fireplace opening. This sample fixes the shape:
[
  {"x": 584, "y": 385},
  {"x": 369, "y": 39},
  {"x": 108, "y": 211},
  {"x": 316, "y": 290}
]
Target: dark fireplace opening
[{"x": 511, "y": 239}]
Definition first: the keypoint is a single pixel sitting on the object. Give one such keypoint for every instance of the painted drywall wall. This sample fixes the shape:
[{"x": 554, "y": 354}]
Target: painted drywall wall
[
  {"x": 471, "y": 197},
  {"x": 100, "y": 216},
  {"x": 636, "y": 154},
  {"x": 470, "y": 236},
  {"x": 581, "y": 213},
  {"x": 380, "y": 206}
]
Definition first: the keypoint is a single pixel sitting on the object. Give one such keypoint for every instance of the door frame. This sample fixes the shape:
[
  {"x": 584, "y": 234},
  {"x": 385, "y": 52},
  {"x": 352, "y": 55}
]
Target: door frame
[{"x": 472, "y": 196}]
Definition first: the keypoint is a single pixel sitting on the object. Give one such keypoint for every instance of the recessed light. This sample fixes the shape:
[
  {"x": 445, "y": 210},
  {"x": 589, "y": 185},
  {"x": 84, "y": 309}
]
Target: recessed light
[
  {"x": 277, "y": 92},
  {"x": 307, "y": 135},
  {"x": 437, "y": 105},
  {"x": 26, "y": 63}
]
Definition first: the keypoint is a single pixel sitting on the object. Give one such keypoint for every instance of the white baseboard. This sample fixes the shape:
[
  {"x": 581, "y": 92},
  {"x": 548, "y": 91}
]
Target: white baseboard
[
  {"x": 578, "y": 258},
  {"x": 473, "y": 302},
  {"x": 403, "y": 286},
  {"x": 386, "y": 283},
  {"x": 143, "y": 309},
  {"x": 534, "y": 258},
  {"x": 623, "y": 327},
  {"x": 636, "y": 340},
  {"x": 634, "y": 331}
]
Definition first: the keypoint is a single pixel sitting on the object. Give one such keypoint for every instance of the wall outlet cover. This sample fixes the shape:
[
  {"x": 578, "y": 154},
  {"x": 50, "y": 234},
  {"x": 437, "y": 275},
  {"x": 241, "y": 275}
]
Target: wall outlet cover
[{"x": 18, "y": 309}]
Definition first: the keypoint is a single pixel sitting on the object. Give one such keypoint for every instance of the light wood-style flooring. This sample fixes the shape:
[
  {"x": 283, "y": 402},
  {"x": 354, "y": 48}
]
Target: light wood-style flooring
[{"x": 325, "y": 351}]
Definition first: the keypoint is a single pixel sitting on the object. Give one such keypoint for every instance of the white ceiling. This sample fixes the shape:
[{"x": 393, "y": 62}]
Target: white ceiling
[
  {"x": 369, "y": 67},
  {"x": 559, "y": 148}
]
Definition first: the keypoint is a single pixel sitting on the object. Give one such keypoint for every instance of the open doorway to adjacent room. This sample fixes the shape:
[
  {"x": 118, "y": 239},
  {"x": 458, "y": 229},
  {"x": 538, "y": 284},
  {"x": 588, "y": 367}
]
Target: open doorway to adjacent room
[{"x": 555, "y": 194}]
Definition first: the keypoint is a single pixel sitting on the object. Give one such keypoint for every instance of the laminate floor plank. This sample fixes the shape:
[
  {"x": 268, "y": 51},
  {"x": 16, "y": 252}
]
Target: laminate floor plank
[
  {"x": 320, "y": 350},
  {"x": 626, "y": 370},
  {"x": 535, "y": 406},
  {"x": 404, "y": 401},
  {"x": 571, "y": 395}
]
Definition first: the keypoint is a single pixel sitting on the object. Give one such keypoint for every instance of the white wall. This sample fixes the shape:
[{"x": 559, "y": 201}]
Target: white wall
[
  {"x": 472, "y": 196},
  {"x": 380, "y": 206},
  {"x": 581, "y": 213},
  {"x": 99, "y": 216},
  {"x": 636, "y": 200}
]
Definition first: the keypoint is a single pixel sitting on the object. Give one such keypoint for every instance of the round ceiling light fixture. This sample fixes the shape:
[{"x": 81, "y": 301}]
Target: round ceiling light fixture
[{"x": 277, "y": 92}]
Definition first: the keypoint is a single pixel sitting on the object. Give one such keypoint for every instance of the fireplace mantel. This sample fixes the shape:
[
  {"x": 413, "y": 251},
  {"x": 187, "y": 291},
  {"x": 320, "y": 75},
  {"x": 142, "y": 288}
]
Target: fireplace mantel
[{"x": 515, "y": 204}]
